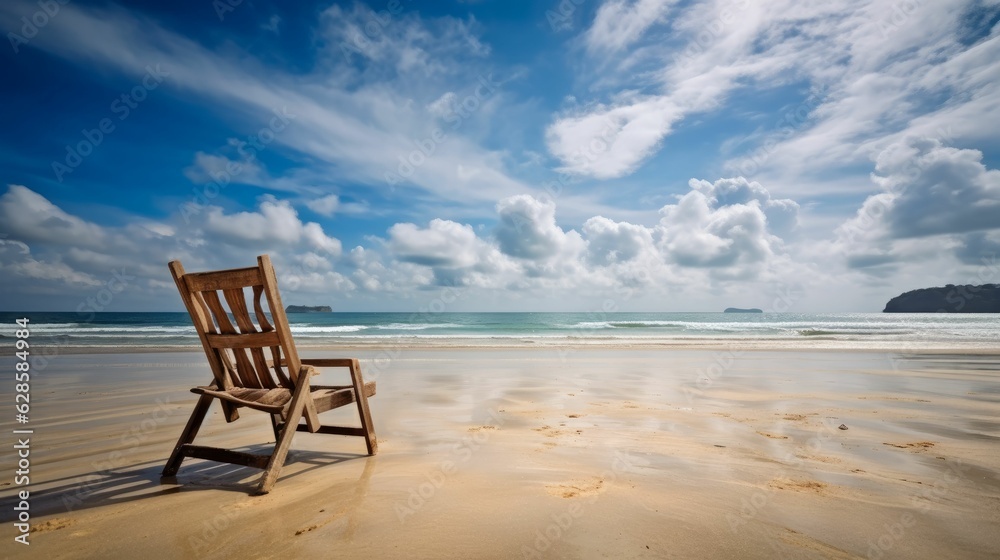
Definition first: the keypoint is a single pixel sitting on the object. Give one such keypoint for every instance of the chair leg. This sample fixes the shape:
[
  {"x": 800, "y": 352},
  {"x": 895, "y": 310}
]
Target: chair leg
[
  {"x": 284, "y": 440},
  {"x": 275, "y": 421},
  {"x": 362, "y": 401},
  {"x": 188, "y": 435}
]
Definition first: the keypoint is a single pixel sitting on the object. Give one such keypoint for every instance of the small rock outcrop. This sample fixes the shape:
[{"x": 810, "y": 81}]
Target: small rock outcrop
[
  {"x": 948, "y": 299},
  {"x": 308, "y": 309}
]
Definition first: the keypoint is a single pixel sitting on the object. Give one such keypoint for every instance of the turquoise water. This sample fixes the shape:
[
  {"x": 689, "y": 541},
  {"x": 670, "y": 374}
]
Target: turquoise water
[{"x": 175, "y": 329}]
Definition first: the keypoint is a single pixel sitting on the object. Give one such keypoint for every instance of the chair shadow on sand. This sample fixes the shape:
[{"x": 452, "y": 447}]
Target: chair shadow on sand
[{"x": 143, "y": 481}]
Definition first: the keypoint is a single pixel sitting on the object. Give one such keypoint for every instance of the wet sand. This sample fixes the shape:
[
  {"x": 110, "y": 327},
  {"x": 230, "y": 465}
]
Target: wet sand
[{"x": 531, "y": 453}]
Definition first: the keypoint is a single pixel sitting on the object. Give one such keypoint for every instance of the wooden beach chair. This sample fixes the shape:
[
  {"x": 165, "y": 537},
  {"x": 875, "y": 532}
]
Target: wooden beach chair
[{"x": 244, "y": 378}]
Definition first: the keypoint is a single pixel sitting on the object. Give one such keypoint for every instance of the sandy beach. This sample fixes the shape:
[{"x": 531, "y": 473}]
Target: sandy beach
[{"x": 533, "y": 453}]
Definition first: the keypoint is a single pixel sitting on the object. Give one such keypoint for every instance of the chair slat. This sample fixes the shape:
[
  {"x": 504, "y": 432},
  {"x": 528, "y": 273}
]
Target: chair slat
[
  {"x": 265, "y": 326},
  {"x": 203, "y": 314},
  {"x": 221, "y": 317},
  {"x": 276, "y": 360},
  {"x": 245, "y": 368},
  {"x": 223, "y": 279},
  {"x": 252, "y": 340},
  {"x": 236, "y": 298}
]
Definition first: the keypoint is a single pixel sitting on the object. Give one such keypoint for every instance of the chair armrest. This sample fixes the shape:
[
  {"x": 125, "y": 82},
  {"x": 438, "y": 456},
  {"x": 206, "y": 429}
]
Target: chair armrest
[{"x": 328, "y": 362}]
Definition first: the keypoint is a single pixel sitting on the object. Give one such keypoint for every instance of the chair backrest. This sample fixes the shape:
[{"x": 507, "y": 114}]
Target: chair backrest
[{"x": 236, "y": 352}]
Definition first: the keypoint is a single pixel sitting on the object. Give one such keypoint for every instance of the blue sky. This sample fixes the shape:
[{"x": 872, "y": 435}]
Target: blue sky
[{"x": 578, "y": 155}]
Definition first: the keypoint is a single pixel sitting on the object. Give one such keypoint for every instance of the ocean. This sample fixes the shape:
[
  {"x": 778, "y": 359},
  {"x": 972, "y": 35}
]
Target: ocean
[{"x": 174, "y": 330}]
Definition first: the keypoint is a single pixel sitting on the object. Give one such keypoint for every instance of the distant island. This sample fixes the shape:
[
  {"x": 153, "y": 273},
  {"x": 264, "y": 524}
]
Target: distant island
[
  {"x": 308, "y": 309},
  {"x": 949, "y": 299},
  {"x": 738, "y": 310}
]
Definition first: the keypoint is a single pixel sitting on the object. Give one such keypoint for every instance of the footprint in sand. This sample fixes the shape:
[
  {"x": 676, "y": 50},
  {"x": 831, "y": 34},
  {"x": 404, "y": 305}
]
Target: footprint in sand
[
  {"x": 52, "y": 525},
  {"x": 549, "y": 431},
  {"x": 798, "y": 485},
  {"x": 576, "y": 489},
  {"x": 916, "y": 446},
  {"x": 772, "y": 436},
  {"x": 481, "y": 428}
]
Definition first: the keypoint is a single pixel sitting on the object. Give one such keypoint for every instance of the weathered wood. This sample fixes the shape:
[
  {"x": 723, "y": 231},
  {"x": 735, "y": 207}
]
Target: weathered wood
[
  {"x": 226, "y": 456},
  {"x": 242, "y": 372},
  {"x": 270, "y": 282},
  {"x": 335, "y": 430},
  {"x": 223, "y": 279},
  {"x": 200, "y": 316},
  {"x": 309, "y": 411},
  {"x": 329, "y": 398},
  {"x": 187, "y": 435},
  {"x": 299, "y": 399},
  {"x": 259, "y": 310},
  {"x": 363, "y": 412},
  {"x": 253, "y": 340},
  {"x": 328, "y": 362}
]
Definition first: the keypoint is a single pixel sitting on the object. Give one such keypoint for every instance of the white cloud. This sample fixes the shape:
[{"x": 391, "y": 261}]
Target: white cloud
[
  {"x": 868, "y": 66},
  {"x": 696, "y": 234},
  {"x": 276, "y": 224},
  {"x": 326, "y": 205},
  {"x": 782, "y": 214},
  {"x": 928, "y": 190},
  {"x": 614, "y": 242},
  {"x": 442, "y": 244},
  {"x": 32, "y": 218},
  {"x": 620, "y": 23},
  {"x": 528, "y": 229}
]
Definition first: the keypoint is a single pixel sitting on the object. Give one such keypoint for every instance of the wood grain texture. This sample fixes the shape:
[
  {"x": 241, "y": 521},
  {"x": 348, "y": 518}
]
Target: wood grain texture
[{"x": 242, "y": 373}]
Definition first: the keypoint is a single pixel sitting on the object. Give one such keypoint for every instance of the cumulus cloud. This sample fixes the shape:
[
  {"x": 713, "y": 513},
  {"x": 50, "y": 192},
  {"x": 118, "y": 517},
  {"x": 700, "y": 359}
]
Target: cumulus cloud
[
  {"x": 933, "y": 195},
  {"x": 696, "y": 233},
  {"x": 611, "y": 242},
  {"x": 442, "y": 244},
  {"x": 782, "y": 214},
  {"x": 528, "y": 229},
  {"x": 275, "y": 224},
  {"x": 33, "y": 218},
  {"x": 935, "y": 189}
]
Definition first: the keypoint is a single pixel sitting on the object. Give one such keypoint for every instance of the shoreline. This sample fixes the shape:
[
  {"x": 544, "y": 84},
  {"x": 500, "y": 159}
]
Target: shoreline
[{"x": 713, "y": 344}]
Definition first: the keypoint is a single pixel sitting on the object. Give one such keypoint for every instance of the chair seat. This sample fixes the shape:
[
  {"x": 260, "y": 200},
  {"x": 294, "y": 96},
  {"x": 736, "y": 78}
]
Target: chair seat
[
  {"x": 274, "y": 401},
  {"x": 268, "y": 400}
]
